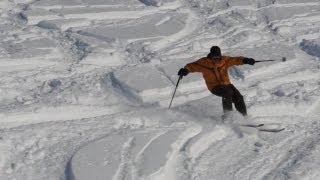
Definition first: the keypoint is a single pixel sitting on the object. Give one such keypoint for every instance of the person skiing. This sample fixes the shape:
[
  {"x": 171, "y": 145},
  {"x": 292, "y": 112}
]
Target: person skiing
[{"x": 214, "y": 69}]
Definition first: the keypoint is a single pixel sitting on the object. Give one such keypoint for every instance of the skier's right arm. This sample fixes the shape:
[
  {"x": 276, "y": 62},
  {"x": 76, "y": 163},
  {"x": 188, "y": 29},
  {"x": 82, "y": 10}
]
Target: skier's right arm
[
  {"x": 196, "y": 66},
  {"x": 191, "y": 67}
]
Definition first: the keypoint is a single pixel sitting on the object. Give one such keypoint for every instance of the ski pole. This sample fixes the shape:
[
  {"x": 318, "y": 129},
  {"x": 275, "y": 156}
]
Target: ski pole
[
  {"x": 284, "y": 59},
  {"x": 180, "y": 77}
]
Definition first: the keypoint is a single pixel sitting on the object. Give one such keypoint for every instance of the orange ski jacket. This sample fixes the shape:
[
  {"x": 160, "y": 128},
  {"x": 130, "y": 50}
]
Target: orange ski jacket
[{"x": 214, "y": 72}]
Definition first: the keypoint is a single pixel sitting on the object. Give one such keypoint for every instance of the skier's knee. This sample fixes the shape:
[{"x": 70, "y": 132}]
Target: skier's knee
[
  {"x": 238, "y": 99},
  {"x": 240, "y": 105}
]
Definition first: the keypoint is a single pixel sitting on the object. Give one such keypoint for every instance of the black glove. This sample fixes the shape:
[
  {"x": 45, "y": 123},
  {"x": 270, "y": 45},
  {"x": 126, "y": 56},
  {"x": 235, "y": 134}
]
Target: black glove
[
  {"x": 250, "y": 61},
  {"x": 183, "y": 72}
]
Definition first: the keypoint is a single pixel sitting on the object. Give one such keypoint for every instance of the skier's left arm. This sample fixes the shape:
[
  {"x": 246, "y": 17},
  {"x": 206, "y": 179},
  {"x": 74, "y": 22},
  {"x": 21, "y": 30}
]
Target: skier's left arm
[{"x": 240, "y": 60}]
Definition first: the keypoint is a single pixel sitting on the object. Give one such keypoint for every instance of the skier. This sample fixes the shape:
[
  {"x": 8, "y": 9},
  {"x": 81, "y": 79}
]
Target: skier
[{"x": 214, "y": 69}]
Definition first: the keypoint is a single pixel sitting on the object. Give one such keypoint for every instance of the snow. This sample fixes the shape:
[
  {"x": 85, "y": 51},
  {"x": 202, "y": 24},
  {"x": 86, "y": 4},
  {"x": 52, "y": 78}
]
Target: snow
[{"x": 85, "y": 88}]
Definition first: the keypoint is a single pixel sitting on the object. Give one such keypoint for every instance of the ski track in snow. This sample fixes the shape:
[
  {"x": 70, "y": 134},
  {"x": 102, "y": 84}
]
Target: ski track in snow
[{"x": 85, "y": 86}]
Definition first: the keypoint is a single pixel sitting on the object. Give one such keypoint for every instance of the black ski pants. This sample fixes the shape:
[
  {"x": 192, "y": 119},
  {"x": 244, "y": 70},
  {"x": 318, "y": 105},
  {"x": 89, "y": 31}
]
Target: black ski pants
[{"x": 230, "y": 94}]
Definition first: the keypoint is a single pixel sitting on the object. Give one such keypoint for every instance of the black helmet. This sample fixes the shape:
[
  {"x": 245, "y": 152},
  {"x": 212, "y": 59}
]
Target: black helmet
[{"x": 215, "y": 52}]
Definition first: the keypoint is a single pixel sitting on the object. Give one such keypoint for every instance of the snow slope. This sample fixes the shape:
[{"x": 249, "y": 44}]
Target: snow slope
[{"x": 85, "y": 87}]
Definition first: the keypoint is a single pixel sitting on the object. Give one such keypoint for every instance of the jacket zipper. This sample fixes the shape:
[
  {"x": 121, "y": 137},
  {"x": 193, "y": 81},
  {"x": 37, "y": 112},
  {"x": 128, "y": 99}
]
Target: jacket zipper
[
  {"x": 219, "y": 71},
  {"x": 215, "y": 74}
]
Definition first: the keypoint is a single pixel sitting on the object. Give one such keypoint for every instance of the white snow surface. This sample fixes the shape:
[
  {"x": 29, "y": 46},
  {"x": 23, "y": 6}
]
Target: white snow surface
[{"x": 85, "y": 87}]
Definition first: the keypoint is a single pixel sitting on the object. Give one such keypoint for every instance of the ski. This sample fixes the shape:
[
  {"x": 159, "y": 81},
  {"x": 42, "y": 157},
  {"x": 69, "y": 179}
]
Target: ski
[
  {"x": 265, "y": 127},
  {"x": 271, "y": 130},
  {"x": 252, "y": 125}
]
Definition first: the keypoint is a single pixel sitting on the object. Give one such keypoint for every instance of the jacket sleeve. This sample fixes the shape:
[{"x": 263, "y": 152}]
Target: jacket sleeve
[
  {"x": 231, "y": 61},
  {"x": 195, "y": 66}
]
